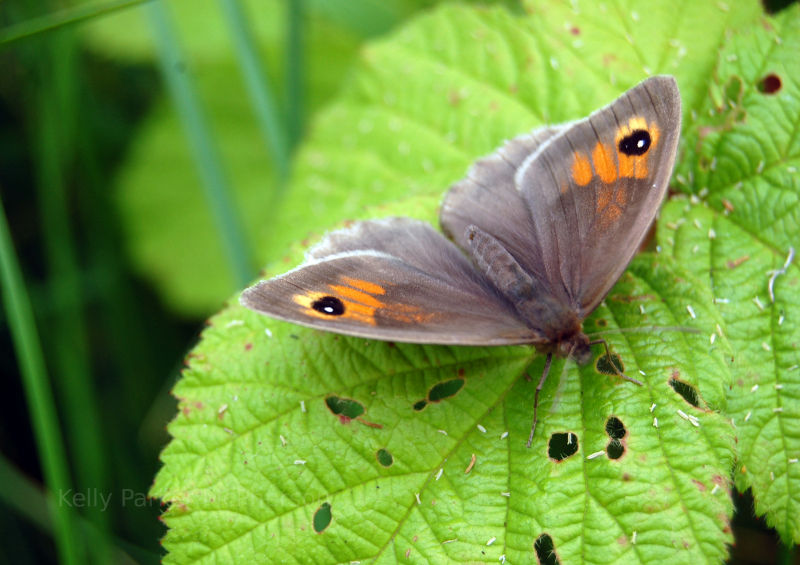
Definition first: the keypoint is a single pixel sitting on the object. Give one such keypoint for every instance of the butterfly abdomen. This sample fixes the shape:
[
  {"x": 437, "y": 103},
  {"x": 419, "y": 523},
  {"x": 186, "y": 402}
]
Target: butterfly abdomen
[{"x": 499, "y": 266}]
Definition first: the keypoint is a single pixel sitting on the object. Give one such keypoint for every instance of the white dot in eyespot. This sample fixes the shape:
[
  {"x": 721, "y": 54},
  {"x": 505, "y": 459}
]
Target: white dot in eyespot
[{"x": 328, "y": 310}]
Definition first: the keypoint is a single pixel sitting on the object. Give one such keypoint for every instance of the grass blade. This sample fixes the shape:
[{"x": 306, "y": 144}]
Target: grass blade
[
  {"x": 67, "y": 16},
  {"x": 206, "y": 155},
  {"x": 261, "y": 91},
  {"x": 38, "y": 395},
  {"x": 295, "y": 72}
]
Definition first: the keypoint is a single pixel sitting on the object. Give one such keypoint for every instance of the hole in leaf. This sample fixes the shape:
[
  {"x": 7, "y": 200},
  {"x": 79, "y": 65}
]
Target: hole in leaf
[
  {"x": 770, "y": 84},
  {"x": 562, "y": 445},
  {"x": 601, "y": 322},
  {"x": 445, "y": 389},
  {"x": 604, "y": 364},
  {"x": 346, "y": 407},
  {"x": 615, "y": 428},
  {"x": 420, "y": 405},
  {"x": 545, "y": 552},
  {"x": 687, "y": 391},
  {"x": 322, "y": 517},
  {"x": 615, "y": 449},
  {"x": 384, "y": 458}
]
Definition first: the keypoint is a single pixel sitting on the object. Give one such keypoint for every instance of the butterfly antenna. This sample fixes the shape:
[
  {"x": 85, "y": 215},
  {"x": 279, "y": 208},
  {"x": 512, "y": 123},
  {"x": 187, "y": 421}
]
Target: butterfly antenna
[
  {"x": 614, "y": 365},
  {"x": 546, "y": 370}
]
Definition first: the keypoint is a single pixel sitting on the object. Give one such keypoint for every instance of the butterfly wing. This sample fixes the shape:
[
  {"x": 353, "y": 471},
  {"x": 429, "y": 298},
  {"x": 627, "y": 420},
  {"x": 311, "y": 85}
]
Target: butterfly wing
[
  {"x": 594, "y": 188},
  {"x": 395, "y": 279}
]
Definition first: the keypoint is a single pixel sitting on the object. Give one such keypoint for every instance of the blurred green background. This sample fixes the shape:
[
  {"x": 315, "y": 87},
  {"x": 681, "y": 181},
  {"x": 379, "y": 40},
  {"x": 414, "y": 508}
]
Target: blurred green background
[{"x": 144, "y": 151}]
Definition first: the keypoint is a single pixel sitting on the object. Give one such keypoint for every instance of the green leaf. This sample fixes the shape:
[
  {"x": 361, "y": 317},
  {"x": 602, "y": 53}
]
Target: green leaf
[
  {"x": 425, "y": 103},
  {"x": 293, "y": 445},
  {"x": 745, "y": 159},
  {"x": 259, "y": 448}
]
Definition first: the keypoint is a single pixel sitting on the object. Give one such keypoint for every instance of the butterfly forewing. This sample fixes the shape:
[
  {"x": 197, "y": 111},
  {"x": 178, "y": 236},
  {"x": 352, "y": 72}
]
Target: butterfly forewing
[{"x": 594, "y": 189}]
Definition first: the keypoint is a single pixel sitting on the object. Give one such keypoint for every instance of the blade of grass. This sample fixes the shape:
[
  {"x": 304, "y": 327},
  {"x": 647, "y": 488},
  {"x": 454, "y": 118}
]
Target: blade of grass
[
  {"x": 295, "y": 71},
  {"x": 39, "y": 397},
  {"x": 55, "y": 110},
  {"x": 60, "y": 18},
  {"x": 262, "y": 93},
  {"x": 205, "y": 152}
]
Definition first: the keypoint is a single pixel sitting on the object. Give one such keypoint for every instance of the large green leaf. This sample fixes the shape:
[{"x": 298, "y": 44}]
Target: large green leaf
[
  {"x": 746, "y": 159},
  {"x": 262, "y": 443},
  {"x": 293, "y": 445}
]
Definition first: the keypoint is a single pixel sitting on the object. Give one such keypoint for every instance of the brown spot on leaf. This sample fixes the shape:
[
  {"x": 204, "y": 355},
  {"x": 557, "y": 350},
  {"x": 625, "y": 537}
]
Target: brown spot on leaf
[{"x": 736, "y": 262}]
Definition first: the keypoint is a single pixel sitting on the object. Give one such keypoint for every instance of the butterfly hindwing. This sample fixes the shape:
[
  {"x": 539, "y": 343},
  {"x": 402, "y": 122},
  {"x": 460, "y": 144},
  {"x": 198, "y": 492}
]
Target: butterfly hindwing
[{"x": 396, "y": 279}]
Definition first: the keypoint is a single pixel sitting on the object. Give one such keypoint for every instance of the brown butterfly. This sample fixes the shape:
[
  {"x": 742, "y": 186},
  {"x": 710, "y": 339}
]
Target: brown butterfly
[{"x": 541, "y": 230}]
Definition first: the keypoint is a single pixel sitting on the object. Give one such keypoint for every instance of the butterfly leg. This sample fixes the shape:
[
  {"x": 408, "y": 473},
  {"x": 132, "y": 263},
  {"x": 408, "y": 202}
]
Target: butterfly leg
[
  {"x": 546, "y": 370},
  {"x": 611, "y": 362}
]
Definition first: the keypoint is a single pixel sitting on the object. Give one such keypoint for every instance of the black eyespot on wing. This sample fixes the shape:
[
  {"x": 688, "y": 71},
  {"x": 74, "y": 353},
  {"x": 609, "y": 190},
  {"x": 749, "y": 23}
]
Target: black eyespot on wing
[
  {"x": 329, "y": 305},
  {"x": 637, "y": 143}
]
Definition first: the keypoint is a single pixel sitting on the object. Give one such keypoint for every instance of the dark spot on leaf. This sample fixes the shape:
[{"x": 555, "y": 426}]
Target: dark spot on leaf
[
  {"x": 562, "y": 445},
  {"x": 687, "y": 391},
  {"x": 445, "y": 389},
  {"x": 770, "y": 84},
  {"x": 322, "y": 517},
  {"x": 604, "y": 364},
  {"x": 248, "y": 346},
  {"x": 615, "y": 428},
  {"x": 461, "y": 371},
  {"x": 545, "y": 552},
  {"x": 384, "y": 457},
  {"x": 574, "y": 30},
  {"x": 346, "y": 407},
  {"x": 420, "y": 405},
  {"x": 615, "y": 449}
]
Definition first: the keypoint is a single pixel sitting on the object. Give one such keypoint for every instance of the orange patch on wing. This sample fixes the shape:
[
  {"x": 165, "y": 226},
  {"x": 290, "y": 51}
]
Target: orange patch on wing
[
  {"x": 610, "y": 216},
  {"x": 408, "y": 314},
  {"x": 359, "y": 303},
  {"x": 366, "y": 286},
  {"x": 581, "y": 169},
  {"x": 621, "y": 197},
  {"x": 604, "y": 197},
  {"x": 346, "y": 292},
  {"x": 603, "y": 163},
  {"x": 635, "y": 166},
  {"x": 628, "y": 165},
  {"x": 359, "y": 312}
]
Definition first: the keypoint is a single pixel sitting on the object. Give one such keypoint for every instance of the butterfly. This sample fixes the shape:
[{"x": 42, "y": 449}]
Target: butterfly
[{"x": 537, "y": 233}]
